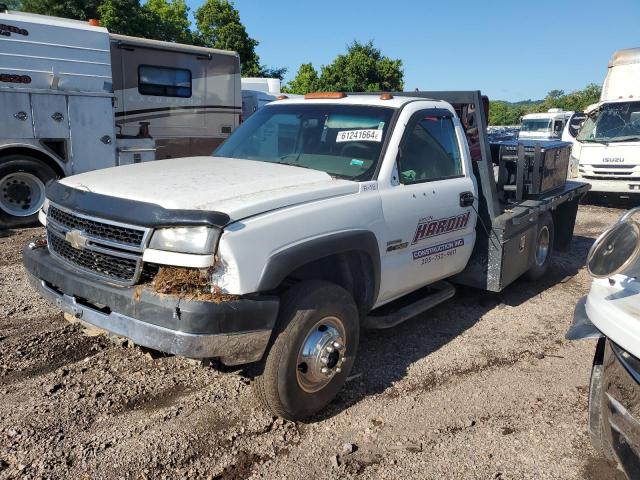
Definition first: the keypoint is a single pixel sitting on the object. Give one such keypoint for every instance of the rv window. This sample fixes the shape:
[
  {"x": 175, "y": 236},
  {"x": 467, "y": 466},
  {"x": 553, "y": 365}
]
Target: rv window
[{"x": 164, "y": 81}]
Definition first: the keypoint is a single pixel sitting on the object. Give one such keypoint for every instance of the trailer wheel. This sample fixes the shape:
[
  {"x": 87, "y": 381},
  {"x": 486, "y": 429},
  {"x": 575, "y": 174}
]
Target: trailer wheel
[
  {"x": 22, "y": 183},
  {"x": 543, "y": 248},
  {"x": 314, "y": 347}
]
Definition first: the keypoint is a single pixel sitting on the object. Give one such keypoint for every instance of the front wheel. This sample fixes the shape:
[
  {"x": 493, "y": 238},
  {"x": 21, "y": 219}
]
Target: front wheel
[
  {"x": 22, "y": 187},
  {"x": 315, "y": 346}
]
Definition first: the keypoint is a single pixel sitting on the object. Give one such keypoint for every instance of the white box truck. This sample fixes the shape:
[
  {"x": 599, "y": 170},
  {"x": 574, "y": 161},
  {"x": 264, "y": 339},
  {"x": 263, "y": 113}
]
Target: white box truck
[
  {"x": 606, "y": 152},
  {"x": 75, "y": 98}
]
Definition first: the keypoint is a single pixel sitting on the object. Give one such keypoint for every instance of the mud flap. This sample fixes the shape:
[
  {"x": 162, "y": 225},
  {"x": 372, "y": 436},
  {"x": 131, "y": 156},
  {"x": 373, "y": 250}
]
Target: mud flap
[{"x": 582, "y": 328}]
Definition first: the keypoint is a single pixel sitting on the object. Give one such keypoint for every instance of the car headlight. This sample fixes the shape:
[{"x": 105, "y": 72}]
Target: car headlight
[
  {"x": 617, "y": 250},
  {"x": 199, "y": 240},
  {"x": 574, "y": 163},
  {"x": 45, "y": 206}
]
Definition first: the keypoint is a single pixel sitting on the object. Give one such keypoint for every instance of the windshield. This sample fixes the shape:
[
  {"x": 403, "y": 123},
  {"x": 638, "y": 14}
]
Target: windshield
[
  {"x": 536, "y": 125},
  {"x": 612, "y": 122},
  {"x": 343, "y": 140}
]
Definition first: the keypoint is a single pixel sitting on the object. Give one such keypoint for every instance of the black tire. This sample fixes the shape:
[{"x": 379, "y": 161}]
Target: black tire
[
  {"x": 302, "y": 308},
  {"x": 15, "y": 164},
  {"x": 545, "y": 231},
  {"x": 596, "y": 403}
]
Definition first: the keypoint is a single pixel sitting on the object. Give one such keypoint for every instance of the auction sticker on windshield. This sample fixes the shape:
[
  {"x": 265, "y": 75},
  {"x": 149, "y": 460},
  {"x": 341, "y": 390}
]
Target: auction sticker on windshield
[{"x": 359, "y": 136}]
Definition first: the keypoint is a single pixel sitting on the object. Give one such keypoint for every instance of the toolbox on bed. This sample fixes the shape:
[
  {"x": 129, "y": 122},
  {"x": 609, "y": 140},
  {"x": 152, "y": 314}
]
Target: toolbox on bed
[{"x": 530, "y": 168}]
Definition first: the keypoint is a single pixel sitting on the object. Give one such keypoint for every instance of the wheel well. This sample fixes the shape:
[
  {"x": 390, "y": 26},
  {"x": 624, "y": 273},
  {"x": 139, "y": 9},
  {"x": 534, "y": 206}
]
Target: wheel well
[
  {"x": 46, "y": 159},
  {"x": 352, "y": 270}
]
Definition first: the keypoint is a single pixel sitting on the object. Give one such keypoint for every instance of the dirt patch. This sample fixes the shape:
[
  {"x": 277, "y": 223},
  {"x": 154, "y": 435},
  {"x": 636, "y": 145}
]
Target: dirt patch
[
  {"x": 483, "y": 386},
  {"x": 165, "y": 398},
  {"x": 241, "y": 468},
  {"x": 188, "y": 283}
]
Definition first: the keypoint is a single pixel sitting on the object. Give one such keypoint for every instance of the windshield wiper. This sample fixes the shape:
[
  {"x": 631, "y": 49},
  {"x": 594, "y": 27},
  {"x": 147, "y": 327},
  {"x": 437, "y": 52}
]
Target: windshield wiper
[
  {"x": 627, "y": 139},
  {"x": 591, "y": 140},
  {"x": 294, "y": 165}
]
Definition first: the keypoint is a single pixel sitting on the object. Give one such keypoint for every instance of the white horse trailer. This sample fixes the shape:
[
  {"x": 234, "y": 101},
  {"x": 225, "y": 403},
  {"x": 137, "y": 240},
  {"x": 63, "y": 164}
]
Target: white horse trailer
[{"x": 75, "y": 98}]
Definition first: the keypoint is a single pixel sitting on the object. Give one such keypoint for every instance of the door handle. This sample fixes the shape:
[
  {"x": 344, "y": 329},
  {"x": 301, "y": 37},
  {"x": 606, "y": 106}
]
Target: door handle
[{"x": 466, "y": 199}]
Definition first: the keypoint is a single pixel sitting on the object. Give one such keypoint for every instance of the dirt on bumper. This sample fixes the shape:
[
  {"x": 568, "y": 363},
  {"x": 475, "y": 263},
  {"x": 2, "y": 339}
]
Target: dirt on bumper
[{"x": 236, "y": 330}]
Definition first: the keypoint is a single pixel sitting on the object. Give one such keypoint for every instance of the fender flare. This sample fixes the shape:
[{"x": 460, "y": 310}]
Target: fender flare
[{"x": 281, "y": 264}]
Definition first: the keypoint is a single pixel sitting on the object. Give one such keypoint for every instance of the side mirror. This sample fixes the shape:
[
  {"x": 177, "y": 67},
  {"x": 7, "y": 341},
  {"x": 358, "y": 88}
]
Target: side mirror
[{"x": 617, "y": 250}]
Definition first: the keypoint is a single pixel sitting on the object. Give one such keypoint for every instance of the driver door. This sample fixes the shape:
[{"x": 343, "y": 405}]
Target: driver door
[{"x": 429, "y": 213}]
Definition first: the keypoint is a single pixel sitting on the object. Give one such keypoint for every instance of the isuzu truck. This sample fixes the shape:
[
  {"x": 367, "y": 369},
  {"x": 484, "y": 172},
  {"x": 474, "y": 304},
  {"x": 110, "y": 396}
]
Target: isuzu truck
[{"x": 606, "y": 152}]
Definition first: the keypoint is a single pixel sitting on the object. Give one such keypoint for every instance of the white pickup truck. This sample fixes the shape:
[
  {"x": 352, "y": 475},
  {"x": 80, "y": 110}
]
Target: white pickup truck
[{"x": 317, "y": 217}]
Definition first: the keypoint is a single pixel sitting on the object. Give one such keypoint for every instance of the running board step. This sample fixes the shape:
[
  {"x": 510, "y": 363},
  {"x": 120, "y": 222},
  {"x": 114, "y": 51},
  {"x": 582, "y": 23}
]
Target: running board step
[{"x": 409, "y": 306}]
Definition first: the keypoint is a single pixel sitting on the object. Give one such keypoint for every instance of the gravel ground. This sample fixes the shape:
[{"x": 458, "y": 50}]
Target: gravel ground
[{"x": 484, "y": 386}]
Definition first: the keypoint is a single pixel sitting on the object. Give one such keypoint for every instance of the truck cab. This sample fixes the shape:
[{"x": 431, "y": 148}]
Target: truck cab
[
  {"x": 606, "y": 152},
  {"x": 544, "y": 126},
  {"x": 607, "y": 149}
]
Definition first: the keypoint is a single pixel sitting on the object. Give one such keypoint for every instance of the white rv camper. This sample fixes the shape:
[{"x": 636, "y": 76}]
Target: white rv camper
[
  {"x": 75, "y": 98},
  {"x": 606, "y": 152}
]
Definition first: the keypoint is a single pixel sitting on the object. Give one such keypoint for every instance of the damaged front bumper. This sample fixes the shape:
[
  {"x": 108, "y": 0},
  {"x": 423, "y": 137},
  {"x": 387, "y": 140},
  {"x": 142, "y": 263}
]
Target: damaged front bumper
[{"x": 235, "y": 331}]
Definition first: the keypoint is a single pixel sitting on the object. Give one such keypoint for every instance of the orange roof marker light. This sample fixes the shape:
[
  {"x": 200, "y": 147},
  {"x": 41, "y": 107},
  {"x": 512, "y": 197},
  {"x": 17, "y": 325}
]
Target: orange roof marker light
[
  {"x": 94, "y": 22},
  {"x": 324, "y": 95},
  {"x": 281, "y": 97},
  {"x": 386, "y": 96}
]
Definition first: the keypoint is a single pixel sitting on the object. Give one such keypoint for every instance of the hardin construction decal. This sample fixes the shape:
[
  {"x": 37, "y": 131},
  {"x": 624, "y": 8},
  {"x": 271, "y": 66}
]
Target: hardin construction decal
[
  {"x": 433, "y": 228},
  {"x": 443, "y": 247}
]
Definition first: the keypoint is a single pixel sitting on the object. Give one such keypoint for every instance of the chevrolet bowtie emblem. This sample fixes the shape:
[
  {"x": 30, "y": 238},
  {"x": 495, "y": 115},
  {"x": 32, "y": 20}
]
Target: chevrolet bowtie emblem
[{"x": 76, "y": 239}]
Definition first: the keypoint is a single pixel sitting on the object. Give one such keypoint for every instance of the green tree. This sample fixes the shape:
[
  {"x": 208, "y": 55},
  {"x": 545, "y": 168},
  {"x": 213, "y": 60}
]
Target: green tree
[
  {"x": 76, "y": 9},
  {"x": 127, "y": 17},
  {"x": 172, "y": 20},
  {"x": 219, "y": 26},
  {"x": 13, "y": 4},
  {"x": 362, "y": 69},
  {"x": 505, "y": 113},
  {"x": 166, "y": 20},
  {"x": 305, "y": 81}
]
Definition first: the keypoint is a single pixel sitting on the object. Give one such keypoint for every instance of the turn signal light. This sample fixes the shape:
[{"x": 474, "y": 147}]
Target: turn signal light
[
  {"x": 330, "y": 95},
  {"x": 281, "y": 97},
  {"x": 386, "y": 96},
  {"x": 94, "y": 22}
]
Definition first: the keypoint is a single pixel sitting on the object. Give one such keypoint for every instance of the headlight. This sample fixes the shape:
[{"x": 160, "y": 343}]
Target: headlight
[
  {"x": 200, "y": 240},
  {"x": 617, "y": 250},
  {"x": 45, "y": 206},
  {"x": 574, "y": 163}
]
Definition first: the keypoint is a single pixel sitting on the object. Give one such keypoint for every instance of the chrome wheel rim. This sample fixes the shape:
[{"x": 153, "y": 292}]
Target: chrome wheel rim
[
  {"x": 542, "y": 250},
  {"x": 321, "y": 355},
  {"x": 21, "y": 194}
]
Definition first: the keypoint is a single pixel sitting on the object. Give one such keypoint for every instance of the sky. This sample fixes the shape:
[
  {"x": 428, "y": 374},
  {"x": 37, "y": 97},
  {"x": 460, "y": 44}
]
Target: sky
[{"x": 510, "y": 50}]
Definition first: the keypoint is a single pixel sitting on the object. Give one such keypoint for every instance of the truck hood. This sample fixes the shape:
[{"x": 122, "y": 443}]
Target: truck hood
[
  {"x": 239, "y": 188},
  {"x": 601, "y": 154}
]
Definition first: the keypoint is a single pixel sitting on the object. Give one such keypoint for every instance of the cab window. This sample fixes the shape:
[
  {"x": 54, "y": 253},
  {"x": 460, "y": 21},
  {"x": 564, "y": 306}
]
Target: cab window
[{"x": 429, "y": 150}]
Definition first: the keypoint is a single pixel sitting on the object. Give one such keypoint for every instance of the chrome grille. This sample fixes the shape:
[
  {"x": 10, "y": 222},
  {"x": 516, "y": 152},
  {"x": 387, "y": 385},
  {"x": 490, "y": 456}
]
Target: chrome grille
[
  {"x": 115, "y": 268},
  {"x": 109, "y": 250}
]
